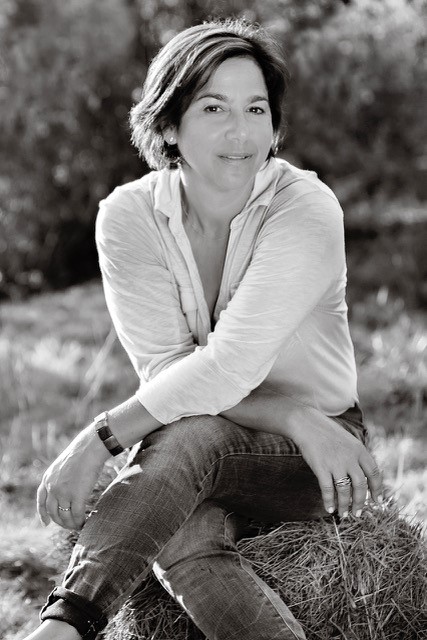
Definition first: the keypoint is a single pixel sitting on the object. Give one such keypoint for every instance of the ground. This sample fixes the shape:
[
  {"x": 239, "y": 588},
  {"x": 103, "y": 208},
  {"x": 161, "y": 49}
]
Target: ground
[{"x": 61, "y": 364}]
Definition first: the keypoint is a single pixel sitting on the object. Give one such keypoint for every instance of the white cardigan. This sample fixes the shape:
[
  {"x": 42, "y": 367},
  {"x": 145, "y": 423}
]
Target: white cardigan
[{"x": 281, "y": 315}]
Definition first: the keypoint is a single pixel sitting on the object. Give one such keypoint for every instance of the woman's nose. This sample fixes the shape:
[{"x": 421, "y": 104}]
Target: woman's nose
[{"x": 237, "y": 127}]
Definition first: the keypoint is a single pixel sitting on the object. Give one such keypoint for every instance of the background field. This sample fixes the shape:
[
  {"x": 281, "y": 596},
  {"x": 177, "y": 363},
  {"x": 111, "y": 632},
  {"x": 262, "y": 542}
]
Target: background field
[{"x": 69, "y": 72}]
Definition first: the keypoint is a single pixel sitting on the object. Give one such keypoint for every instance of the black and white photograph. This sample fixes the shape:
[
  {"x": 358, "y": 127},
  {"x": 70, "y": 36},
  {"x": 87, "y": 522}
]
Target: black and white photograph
[{"x": 213, "y": 319}]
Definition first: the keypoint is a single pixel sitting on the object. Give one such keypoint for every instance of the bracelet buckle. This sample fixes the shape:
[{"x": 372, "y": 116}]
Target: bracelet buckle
[{"x": 104, "y": 432}]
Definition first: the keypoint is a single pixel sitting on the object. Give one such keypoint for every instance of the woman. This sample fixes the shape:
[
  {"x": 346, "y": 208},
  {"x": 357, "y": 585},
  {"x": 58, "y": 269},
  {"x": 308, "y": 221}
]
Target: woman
[{"x": 224, "y": 274}]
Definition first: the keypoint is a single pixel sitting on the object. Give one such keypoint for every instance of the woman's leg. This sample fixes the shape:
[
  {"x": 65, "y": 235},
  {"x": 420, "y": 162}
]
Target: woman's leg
[
  {"x": 176, "y": 469},
  {"x": 201, "y": 566},
  {"x": 202, "y": 569}
]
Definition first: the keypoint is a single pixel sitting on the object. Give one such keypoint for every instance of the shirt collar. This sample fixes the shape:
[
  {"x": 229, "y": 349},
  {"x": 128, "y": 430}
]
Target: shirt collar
[{"x": 167, "y": 194}]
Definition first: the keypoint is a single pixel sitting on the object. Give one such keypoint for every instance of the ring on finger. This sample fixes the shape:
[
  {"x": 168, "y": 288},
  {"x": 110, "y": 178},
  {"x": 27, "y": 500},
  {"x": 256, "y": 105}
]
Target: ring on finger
[
  {"x": 343, "y": 482},
  {"x": 63, "y": 508}
]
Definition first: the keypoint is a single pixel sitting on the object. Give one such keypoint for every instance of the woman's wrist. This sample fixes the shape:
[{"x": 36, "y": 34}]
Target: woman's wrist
[
  {"x": 301, "y": 420},
  {"x": 130, "y": 422},
  {"x": 109, "y": 440},
  {"x": 95, "y": 445}
]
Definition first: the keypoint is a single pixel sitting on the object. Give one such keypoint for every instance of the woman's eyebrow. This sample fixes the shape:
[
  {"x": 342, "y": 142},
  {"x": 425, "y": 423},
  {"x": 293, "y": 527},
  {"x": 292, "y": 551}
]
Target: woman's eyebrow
[{"x": 220, "y": 96}]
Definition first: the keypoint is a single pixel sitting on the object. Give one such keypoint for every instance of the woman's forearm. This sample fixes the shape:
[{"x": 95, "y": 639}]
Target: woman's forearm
[
  {"x": 262, "y": 410},
  {"x": 131, "y": 422},
  {"x": 265, "y": 410}
]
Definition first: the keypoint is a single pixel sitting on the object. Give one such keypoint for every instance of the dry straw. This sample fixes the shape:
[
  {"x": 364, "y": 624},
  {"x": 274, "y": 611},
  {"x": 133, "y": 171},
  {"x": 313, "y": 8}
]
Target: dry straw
[{"x": 360, "y": 579}]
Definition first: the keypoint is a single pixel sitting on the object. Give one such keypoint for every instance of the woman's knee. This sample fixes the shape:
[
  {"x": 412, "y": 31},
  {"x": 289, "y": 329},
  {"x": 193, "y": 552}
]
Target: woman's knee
[{"x": 210, "y": 530}]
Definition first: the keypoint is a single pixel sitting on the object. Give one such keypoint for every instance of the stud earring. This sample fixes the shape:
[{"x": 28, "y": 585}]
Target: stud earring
[{"x": 172, "y": 140}]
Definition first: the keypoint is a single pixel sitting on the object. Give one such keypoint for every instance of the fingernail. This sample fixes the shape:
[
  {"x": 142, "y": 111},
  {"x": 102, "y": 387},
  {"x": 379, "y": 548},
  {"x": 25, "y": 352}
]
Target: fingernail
[
  {"x": 358, "y": 513},
  {"x": 345, "y": 514},
  {"x": 331, "y": 509}
]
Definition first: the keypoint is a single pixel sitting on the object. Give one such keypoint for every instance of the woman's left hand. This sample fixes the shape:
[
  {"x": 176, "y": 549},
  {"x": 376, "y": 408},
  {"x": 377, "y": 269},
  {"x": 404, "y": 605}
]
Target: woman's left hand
[
  {"x": 68, "y": 482},
  {"x": 344, "y": 467}
]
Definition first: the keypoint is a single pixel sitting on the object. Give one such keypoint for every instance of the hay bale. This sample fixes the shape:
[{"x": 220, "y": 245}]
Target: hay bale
[
  {"x": 358, "y": 579},
  {"x": 355, "y": 580}
]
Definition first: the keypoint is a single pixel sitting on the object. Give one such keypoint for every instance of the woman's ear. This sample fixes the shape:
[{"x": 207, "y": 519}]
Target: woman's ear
[{"x": 169, "y": 135}]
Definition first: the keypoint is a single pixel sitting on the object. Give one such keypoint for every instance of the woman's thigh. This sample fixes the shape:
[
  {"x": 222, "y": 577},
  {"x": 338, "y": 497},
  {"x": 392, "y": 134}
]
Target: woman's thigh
[
  {"x": 257, "y": 474},
  {"x": 273, "y": 483},
  {"x": 269, "y": 488},
  {"x": 254, "y": 473}
]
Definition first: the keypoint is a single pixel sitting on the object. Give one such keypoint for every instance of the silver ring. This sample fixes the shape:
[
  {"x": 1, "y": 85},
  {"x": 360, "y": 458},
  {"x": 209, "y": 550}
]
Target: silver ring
[
  {"x": 62, "y": 508},
  {"x": 343, "y": 482}
]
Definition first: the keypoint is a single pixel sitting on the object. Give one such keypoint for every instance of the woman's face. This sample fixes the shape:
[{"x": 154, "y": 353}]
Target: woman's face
[{"x": 226, "y": 133}]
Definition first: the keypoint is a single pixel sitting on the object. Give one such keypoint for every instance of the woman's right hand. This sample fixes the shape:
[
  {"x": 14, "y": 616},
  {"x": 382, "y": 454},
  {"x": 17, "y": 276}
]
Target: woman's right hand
[
  {"x": 333, "y": 453},
  {"x": 68, "y": 483}
]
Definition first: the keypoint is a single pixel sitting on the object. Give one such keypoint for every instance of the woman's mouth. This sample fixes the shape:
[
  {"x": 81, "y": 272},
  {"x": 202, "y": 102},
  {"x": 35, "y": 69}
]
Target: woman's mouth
[{"x": 236, "y": 157}]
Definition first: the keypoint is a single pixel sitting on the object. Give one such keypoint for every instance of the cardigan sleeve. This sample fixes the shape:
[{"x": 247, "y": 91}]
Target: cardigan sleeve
[
  {"x": 140, "y": 292},
  {"x": 299, "y": 255}
]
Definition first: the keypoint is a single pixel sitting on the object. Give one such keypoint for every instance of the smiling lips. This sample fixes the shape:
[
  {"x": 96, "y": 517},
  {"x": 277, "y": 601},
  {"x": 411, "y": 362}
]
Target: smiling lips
[{"x": 236, "y": 156}]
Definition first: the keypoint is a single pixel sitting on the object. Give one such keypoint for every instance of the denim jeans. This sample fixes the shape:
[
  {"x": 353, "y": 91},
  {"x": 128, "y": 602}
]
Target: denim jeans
[{"x": 177, "y": 508}]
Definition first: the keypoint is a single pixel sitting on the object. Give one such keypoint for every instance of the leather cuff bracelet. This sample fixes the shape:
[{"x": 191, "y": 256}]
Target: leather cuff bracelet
[{"x": 107, "y": 437}]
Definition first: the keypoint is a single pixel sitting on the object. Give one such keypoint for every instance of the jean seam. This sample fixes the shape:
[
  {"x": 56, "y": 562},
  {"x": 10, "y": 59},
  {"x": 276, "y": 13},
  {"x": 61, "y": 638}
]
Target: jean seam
[
  {"x": 265, "y": 594},
  {"x": 225, "y": 539}
]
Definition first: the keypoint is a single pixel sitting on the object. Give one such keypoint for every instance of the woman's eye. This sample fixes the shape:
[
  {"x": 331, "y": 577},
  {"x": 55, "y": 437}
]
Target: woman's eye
[
  {"x": 257, "y": 110},
  {"x": 213, "y": 108}
]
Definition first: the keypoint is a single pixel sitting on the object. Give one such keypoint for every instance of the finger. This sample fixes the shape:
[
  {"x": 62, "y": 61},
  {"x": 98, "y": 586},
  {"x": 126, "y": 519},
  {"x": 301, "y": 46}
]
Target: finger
[
  {"x": 52, "y": 508},
  {"x": 41, "y": 504},
  {"x": 66, "y": 513},
  {"x": 79, "y": 514},
  {"x": 328, "y": 491},
  {"x": 66, "y": 517},
  {"x": 359, "y": 487},
  {"x": 343, "y": 492},
  {"x": 373, "y": 475}
]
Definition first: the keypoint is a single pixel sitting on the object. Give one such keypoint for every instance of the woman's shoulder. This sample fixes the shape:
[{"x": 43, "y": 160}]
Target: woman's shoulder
[
  {"x": 294, "y": 182},
  {"x": 134, "y": 193},
  {"x": 126, "y": 214},
  {"x": 299, "y": 190},
  {"x": 132, "y": 205}
]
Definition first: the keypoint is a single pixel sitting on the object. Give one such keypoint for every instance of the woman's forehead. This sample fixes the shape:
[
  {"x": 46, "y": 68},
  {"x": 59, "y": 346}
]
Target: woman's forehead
[{"x": 235, "y": 75}]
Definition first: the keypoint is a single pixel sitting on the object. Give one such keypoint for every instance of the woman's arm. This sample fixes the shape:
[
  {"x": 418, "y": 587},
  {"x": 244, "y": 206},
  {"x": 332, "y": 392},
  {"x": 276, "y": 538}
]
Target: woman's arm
[
  {"x": 70, "y": 479},
  {"x": 330, "y": 451}
]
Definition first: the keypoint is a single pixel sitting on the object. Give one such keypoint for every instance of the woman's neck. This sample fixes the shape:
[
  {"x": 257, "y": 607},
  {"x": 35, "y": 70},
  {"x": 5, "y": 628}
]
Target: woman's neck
[{"x": 211, "y": 211}]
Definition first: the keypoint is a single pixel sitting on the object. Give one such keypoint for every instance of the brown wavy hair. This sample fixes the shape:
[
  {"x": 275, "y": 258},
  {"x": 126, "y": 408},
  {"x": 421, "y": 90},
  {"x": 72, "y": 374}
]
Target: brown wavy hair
[{"x": 184, "y": 65}]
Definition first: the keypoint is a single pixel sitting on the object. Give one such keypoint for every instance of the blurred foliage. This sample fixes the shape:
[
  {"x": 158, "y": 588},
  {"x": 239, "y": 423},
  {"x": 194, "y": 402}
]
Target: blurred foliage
[
  {"x": 358, "y": 99},
  {"x": 63, "y": 112},
  {"x": 71, "y": 70}
]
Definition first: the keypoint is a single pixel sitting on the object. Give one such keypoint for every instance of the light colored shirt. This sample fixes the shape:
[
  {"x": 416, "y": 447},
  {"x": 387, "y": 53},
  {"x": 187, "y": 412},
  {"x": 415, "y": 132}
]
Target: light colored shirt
[{"x": 281, "y": 315}]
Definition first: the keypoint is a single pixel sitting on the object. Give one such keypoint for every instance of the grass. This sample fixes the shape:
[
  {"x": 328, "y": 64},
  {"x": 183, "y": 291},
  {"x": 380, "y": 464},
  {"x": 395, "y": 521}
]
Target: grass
[{"x": 60, "y": 364}]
